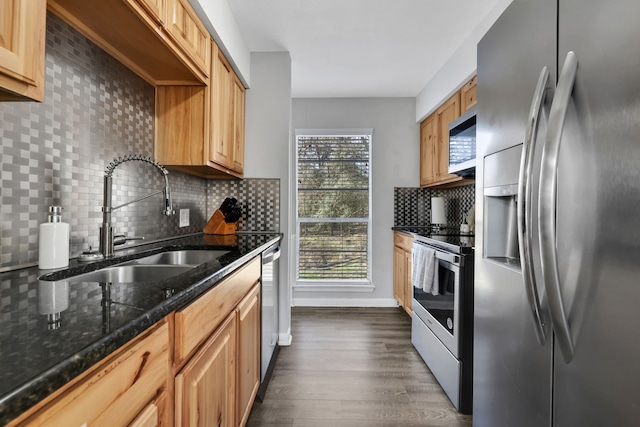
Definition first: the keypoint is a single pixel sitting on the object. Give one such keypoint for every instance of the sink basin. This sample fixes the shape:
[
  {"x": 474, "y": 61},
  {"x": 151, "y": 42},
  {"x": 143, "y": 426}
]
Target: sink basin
[
  {"x": 185, "y": 257},
  {"x": 131, "y": 273}
]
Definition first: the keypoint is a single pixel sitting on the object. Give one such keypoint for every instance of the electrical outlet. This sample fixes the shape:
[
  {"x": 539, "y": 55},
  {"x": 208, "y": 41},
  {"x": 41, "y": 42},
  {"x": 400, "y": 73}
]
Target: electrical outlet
[{"x": 184, "y": 217}]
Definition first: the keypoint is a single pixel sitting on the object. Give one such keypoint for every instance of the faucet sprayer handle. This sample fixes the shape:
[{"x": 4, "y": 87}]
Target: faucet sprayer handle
[
  {"x": 121, "y": 239},
  {"x": 168, "y": 205}
]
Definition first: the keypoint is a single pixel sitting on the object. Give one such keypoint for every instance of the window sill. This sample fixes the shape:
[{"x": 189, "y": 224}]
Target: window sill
[{"x": 351, "y": 286}]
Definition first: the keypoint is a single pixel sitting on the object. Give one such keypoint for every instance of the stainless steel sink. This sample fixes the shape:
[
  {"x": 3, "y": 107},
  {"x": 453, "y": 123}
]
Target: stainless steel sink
[
  {"x": 191, "y": 257},
  {"x": 131, "y": 273},
  {"x": 150, "y": 268}
]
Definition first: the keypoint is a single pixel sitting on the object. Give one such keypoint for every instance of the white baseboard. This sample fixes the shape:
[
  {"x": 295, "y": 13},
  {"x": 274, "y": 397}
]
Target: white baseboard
[
  {"x": 284, "y": 339},
  {"x": 345, "y": 302}
]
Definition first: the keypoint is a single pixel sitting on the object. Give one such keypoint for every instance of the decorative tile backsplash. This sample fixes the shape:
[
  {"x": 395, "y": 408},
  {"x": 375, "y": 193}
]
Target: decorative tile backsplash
[
  {"x": 56, "y": 152},
  {"x": 412, "y": 206},
  {"x": 259, "y": 198}
]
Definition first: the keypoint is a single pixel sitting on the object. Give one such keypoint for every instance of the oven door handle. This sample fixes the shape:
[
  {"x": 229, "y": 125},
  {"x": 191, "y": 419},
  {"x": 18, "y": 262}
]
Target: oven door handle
[
  {"x": 450, "y": 258},
  {"x": 444, "y": 256}
]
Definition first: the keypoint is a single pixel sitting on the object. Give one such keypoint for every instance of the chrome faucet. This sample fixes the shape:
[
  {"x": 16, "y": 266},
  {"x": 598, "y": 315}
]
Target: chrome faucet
[{"x": 106, "y": 229}]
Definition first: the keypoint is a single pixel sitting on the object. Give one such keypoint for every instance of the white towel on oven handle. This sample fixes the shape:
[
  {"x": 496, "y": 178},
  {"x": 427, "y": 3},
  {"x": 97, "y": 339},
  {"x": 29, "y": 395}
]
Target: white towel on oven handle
[{"x": 424, "y": 268}]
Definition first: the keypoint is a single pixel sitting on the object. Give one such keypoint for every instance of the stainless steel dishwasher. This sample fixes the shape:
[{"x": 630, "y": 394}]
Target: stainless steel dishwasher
[{"x": 269, "y": 329}]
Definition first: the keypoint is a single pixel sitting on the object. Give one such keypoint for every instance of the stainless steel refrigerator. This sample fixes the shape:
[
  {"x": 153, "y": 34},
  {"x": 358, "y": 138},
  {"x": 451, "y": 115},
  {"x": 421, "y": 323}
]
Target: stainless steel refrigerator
[{"x": 557, "y": 268}]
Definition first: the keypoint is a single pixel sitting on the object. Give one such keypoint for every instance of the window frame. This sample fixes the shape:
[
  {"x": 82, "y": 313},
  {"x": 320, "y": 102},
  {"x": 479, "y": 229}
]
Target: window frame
[{"x": 333, "y": 285}]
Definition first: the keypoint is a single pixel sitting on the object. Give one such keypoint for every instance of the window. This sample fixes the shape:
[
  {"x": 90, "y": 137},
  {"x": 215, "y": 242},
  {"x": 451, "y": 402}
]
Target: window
[{"x": 333, "y": 207}]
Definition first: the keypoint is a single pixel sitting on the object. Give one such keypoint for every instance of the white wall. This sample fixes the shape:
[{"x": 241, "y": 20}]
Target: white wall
[
  {"x": 395, "y": 163},
  {"x": 462, "y": 64},
  {"x": 267, "y": 136},
  {"x": 219, "y": 20}
]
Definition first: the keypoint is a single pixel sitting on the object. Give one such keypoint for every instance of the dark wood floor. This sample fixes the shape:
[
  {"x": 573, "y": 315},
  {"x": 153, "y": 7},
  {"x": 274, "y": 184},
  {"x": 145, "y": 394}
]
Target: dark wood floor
[{"x": 353, "y": 367}]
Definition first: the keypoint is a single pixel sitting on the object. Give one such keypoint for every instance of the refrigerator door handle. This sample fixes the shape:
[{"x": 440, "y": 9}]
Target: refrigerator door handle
[
  {"x": 547, "y": 199},
  {"x": 524, "y": 205}
]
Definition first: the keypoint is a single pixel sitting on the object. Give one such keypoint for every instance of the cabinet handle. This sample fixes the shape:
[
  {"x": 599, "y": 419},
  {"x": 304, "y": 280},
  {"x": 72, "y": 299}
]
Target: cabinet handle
[
  {"x": 547, "y": 204},
  {"x": 524, "y": 205}
]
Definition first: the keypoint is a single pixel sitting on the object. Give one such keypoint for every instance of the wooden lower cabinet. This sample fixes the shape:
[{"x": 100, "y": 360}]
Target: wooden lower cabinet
[
  {"x": 402, "y": 289},
  {"x": 150, "y": 416},
  {"x": 115, "y": 393},
  {"x": 199, "y": 366},
  {"x": 205, "y": 388},
  {"x": 248, "y": 353},
  {"x": 217, "y": 352}
]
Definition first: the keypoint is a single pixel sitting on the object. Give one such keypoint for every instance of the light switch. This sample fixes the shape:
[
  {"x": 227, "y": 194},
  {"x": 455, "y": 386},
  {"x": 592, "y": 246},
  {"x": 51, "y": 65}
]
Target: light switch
[{"x": 184, "y": 217}]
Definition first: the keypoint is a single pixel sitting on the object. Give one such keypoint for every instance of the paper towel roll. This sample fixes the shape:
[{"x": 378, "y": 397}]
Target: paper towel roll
[{"x": 438, "y": 215}]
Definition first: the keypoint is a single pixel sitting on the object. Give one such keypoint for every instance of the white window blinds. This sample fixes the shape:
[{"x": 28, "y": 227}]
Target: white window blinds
[{"x": 333, "y": 207}]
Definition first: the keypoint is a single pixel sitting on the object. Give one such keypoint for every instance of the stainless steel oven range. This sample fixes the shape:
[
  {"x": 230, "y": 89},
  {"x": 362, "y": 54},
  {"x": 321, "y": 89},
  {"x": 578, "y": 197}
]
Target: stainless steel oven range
[{"x": 442, "y": 320}]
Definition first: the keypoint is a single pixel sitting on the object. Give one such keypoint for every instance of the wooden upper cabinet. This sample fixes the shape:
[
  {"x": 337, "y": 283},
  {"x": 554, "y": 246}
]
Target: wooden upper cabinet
[
  {"x": 434, "y": 138},
  {"x": 468, "y": 93},
  {"x": 200, "y": 130},
  {"x": 434, "y": 144},
  {"x": 237, "y": 157},
  {"x": 22, "y": 41},
  {"x": 428, "y": 141},
  {"x": 448, "y": 112},
  {"x": 155, "y": 8},
  {"x": 227, "y": 115},
  {"x": 140, "y": 35},
  {"x": 221, "y": 114},
  {"x": 188, "y": 31}
]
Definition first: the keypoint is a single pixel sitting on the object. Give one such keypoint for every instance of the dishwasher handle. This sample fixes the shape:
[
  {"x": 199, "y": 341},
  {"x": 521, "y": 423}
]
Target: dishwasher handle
[{"x": 270, "y": 255}]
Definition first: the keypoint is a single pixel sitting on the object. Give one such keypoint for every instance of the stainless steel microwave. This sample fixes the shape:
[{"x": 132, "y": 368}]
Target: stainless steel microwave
[{"x": 462, "y": 144}]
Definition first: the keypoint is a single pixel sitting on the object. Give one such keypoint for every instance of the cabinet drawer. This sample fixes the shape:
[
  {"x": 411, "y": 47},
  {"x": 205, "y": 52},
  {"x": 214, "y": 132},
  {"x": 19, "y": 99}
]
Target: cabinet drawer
[
  {"x": 197, "y": 321},
  {"x": 148, "y": 417},
  {"x": 116, "y": 392},
  {"x": 403, "y": 241}
]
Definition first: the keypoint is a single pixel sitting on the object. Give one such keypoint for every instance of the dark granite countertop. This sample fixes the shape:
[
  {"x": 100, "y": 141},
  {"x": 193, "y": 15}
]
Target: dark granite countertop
[
  {"x": 36, "y": 359},
  {"x": 447, "y": 239}
]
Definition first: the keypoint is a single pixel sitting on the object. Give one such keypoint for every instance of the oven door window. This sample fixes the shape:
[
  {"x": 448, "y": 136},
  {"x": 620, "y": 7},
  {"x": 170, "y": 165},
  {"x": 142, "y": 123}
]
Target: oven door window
[{"x": 441, "y": 306}]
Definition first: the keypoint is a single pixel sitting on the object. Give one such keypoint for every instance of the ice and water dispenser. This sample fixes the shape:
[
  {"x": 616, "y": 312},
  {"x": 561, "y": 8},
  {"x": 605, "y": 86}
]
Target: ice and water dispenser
[{"x": 501, "y": 171}]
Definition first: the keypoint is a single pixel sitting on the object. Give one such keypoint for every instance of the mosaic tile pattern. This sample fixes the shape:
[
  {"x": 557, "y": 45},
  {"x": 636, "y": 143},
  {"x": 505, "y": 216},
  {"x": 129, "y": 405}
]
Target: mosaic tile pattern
[
  {"x": 55, "y": 152},
  {"x": 259, "y": 198},
  {"x": 412, "y": 206}
]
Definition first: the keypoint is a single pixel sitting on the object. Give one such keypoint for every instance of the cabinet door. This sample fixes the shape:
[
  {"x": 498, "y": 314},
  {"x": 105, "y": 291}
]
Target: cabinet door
[
  {"x": 408, "y": 288},
  {"x": 428, "y": 141},
  {"x": 399, "y": 274},
  {"x": 198, "y": 320},
  {"x": 117, "y": 391},
  {"x": 248, "y": 353},
  {"x": 189, "y": 32},
  {"x": 22, "y": 40},
  {"x": 468, "y": 98},
  {"x": 448, "y": 112},
  {"x": 155, "y": 9},
  {"x": 205, "y": 388},
  {"x": 237, "y": 163},
  {"x": 221, "y": 146}
]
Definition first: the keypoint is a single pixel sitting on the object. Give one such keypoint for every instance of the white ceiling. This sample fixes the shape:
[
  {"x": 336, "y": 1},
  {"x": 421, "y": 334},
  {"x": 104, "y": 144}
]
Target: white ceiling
[{"x": 359, "y": 48}]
